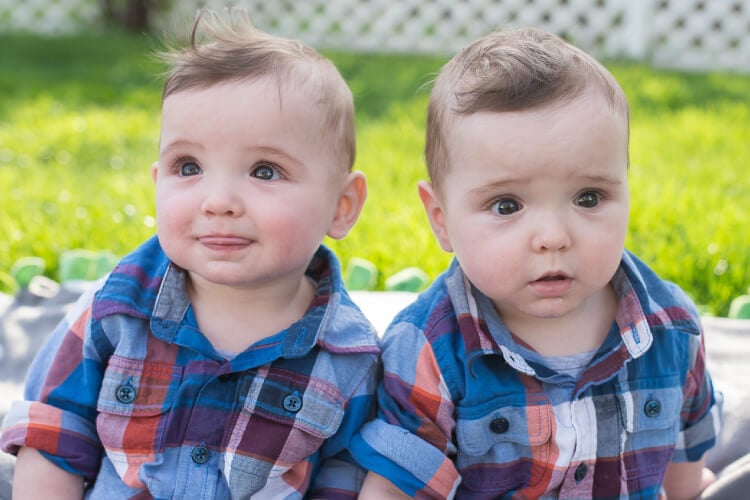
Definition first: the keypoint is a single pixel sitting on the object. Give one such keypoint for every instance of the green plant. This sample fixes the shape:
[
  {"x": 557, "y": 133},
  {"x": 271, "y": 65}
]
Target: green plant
[{"x": 79, "y": 125}]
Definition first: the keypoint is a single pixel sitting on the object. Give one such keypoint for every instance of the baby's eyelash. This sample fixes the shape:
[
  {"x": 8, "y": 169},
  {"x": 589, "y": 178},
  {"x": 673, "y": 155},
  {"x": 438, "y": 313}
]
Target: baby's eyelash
[{"x": 182, "y": 160}]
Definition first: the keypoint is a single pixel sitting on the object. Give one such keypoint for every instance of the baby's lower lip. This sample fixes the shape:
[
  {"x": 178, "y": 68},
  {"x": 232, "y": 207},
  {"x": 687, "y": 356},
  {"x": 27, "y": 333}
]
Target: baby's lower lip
[{"x": 552, "y": 286}]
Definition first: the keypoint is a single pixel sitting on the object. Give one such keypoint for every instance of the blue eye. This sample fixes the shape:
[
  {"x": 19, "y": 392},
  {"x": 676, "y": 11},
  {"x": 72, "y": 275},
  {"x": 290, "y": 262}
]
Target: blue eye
[
  {"x": 588, "y": 199},
  {"x": 265, "y": 172},
  {"x": 190, "y": 168},
  {"x": 506, "y": 206}
]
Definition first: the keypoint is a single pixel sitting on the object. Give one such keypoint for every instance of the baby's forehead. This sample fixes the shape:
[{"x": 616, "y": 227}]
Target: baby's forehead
[
  {"x": 582, "y": 130},
  {"x": 567, "y": 116}
]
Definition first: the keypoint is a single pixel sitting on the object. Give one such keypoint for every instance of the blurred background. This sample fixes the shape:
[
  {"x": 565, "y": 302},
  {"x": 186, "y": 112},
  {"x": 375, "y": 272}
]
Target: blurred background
[
  {"x": 708, "y": 34},
  {"x": 80, "y": 98}
]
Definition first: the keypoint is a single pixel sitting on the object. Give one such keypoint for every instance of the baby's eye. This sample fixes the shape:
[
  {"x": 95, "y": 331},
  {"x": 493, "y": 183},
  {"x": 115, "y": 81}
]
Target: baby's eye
[
  {"x": 265, "y": 172},
  {"x": 588, "y": 199},
  {"x": 189, "y": 168},
  {"x": 506, "y": 206}
]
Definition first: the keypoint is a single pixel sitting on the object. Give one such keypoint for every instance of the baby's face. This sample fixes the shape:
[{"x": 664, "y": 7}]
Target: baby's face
[
  {"x": 535, "y": 205},
  {"x": 246, "y": 188}
]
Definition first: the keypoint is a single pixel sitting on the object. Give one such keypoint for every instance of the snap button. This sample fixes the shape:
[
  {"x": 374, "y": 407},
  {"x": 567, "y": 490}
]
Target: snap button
[
  {"x": 652, "y": 408},
  {"x": 293, "y": 403},
  {"x": 499, "y": 425},
  {"x": 125, "y": 394},
  {"x": 581, "y": 471},
  {"x": 200, "y": 454}
]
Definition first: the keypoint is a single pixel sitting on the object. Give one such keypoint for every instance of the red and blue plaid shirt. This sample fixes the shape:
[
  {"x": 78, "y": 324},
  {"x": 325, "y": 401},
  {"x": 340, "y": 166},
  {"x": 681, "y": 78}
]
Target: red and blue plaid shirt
[
  {"x": 465, "y": 409},
  {"x": 129, "y": 394}
]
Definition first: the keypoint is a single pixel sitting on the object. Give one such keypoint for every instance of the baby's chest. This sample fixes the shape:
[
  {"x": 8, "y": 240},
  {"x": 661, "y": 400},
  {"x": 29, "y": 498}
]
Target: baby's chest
[
  {"x": 621, "y": 431},
  {"x": 256, "y": 424}
]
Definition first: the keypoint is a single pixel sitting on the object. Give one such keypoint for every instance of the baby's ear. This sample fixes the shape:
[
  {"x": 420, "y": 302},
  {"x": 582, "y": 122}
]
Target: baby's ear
[
  {"x": 154, "y": 170},
  {"x": 435, "y": 214},
  {"x": 350, "y": 204}
]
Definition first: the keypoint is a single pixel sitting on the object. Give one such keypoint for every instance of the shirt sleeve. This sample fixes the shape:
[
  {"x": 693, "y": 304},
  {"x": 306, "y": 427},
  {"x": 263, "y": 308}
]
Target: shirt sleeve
[
  {"x": 410, "y": 440},
  {"x": 58, "y": 415},
  {"x": 701, "y": 409},
  {"x": 339, "y": 475}
]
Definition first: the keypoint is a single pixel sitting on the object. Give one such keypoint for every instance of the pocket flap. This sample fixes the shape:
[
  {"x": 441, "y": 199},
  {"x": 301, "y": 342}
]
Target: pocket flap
[
  {"x": 527, "y": 426},
  {"x": 132, "y": 387},
  {"x": 311, "y": 409},
  {"x": 650, "y": 408}
]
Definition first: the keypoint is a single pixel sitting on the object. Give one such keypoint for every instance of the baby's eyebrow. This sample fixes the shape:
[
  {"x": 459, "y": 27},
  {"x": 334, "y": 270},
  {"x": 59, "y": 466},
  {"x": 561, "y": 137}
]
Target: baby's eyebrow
[
  {"x": 276, "y": 152},
  {"x": 179, "y": 144},
  {"x": 508, "y": 183},
  {"x": 601, "y": 179},
  {"x": 498, "y": 184}
]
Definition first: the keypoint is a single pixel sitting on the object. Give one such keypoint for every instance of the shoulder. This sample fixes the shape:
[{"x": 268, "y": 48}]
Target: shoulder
[
  {"x": 346, "y": 330},
  {"x": 431, "y": 311},
  {"x": 343, "y": 328},
  {"x": 133, "y": 285},
  {"x": 347, "y": 354},
  {"x": 664, "y": 303},
  {"x": 425, "y": 339}
]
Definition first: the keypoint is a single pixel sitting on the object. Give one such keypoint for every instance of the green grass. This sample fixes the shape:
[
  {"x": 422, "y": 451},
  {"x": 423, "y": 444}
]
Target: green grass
[{"x": 79, "y": 120}]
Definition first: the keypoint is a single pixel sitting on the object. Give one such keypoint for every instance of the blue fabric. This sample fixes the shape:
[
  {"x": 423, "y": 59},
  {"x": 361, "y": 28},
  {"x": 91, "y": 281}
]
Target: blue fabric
[
  {"x": 465, "y": 409},
  {"x": 128, "y": 393}
]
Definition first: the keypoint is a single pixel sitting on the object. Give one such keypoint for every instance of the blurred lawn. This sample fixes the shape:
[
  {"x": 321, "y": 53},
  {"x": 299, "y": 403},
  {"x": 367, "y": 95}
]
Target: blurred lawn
[{"x": 79, "y": 120}]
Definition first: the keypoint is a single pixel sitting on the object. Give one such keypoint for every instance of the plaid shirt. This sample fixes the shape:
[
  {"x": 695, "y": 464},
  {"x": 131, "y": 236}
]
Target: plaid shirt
[
  {"x": 466, "y": 410},
  {"x": 129, "y": 394}
]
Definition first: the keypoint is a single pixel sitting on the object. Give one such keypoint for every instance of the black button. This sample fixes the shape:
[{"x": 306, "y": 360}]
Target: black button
[
  {"x": 125, "y": 394},
  {"x": 200, "y": 454},
  {"x": 293, "y": 403},
  {"x": 499, "y": 425},
  {"x": 652, "y": 408},
  {"x": 581, "y": 471}
]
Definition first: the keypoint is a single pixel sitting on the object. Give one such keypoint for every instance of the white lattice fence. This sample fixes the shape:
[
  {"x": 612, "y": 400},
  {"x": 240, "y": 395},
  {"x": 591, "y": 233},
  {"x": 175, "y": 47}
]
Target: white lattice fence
[
  {"x": 48, "y": 16},
  {"x": 700, "y": 34},
  {"x": 432, "y": 26},
  {"x": 682, "y": 33}
]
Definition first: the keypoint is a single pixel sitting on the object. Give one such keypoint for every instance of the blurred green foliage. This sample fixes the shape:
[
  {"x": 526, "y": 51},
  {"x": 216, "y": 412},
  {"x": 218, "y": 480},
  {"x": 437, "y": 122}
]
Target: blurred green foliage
[{"x": 79, "y": 127}]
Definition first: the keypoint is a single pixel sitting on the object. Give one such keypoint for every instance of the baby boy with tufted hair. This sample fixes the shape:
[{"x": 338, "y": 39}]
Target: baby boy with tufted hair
[
  {"x": 223, "y": 357},
  {"x": 547, "y": 361}
]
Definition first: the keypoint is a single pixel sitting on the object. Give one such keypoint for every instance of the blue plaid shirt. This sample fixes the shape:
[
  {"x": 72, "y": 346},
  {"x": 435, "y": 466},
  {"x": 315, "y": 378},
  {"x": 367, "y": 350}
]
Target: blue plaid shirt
[
  {"x": 466, "y": 410},
  {"x": 129, "y": 394}
]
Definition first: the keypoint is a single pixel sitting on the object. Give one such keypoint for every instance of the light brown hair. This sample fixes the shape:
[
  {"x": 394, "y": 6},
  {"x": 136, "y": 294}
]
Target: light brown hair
[
  {"x": 515, "y": 70},
  {"x": 230, "y": 49}
]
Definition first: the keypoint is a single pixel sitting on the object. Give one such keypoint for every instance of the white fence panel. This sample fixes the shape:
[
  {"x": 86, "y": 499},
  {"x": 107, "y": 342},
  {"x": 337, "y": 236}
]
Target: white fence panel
[
  {"x": 701, "y": 34},
  {"x": 695, "y": 34},
  {"x": 48, "y": 16},
  {"x": 432, "y": 26}
]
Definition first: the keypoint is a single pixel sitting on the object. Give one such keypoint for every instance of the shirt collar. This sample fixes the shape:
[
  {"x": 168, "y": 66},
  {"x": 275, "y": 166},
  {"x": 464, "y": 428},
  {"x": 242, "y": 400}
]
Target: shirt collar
[
  {"x": 646, "y": 305},
  {"x": 147, "y": 285}
]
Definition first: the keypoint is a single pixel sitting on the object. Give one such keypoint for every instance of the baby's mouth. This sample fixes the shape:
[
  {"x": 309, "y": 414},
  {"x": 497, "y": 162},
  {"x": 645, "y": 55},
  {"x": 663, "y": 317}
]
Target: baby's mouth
[{"x": 554, "y": 277}]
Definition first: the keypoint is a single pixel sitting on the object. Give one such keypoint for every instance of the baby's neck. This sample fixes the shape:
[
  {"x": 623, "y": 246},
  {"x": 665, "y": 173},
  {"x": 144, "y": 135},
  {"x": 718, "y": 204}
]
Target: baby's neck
[
  {"x": 234, "y": 319},
  {"x": 582, "y": 330}
]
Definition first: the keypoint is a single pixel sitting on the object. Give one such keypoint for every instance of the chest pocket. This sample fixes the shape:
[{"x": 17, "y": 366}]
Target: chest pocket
[
  {"x": 651, "y": 419},
  {"x": 134, "y": 401},
  {"x": 514, "y": 440},
  {"x": 284, "y": 420}
]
